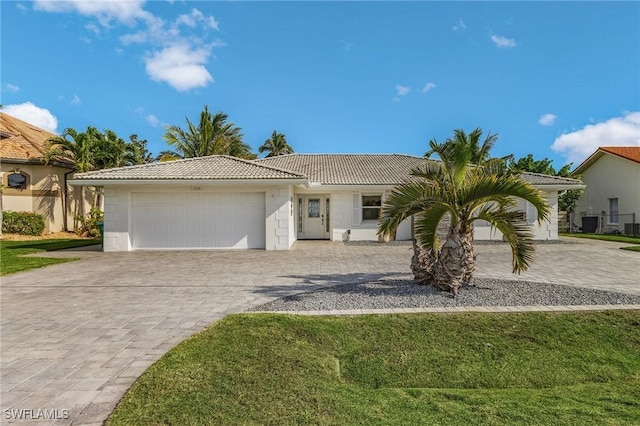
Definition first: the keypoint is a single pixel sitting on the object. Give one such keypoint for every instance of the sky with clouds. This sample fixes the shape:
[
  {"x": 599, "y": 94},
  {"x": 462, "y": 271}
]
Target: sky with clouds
[{"x": 555, "y": 79}]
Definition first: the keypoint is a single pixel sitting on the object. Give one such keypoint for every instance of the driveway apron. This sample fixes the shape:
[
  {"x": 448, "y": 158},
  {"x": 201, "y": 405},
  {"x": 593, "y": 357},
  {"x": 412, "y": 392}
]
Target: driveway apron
[{"x": 75, "y": 336}]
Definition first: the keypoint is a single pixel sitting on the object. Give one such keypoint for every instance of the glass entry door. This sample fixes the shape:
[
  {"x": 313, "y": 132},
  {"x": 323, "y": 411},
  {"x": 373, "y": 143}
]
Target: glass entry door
[{"x": 315, "y": 217}]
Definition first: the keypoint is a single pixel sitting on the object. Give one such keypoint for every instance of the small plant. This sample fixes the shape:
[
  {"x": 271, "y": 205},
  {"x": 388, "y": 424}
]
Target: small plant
[
  {"x": 89, "y": 225},
  {"x": 24, "y": 223}
]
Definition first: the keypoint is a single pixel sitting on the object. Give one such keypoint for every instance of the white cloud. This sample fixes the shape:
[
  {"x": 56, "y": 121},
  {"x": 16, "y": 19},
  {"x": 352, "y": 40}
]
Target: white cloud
[
  {"x": 547, "y": 119},
  {"x": 11, "y": 88},
  {"x": 181, "y": 66},
  {"x": 619, "y": 131},
  {"x": 196, "y": 17},
  {"x": 40, "y": 117},
  {"x": 428, "y": 87},
  {"x": 75, "y": 100},
  {"x": 401, "y": 91},
  {"x": 178, "y": 50},
  {"x": 501, "y": 41},
  {"x": 460, "y": 25},
  {"x": 105, "y": 11},
  {"x": 153, "y": 120}
]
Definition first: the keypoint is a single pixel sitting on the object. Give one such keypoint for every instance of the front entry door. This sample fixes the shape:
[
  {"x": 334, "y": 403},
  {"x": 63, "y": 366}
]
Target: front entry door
[{"x": 315, "y": 217}]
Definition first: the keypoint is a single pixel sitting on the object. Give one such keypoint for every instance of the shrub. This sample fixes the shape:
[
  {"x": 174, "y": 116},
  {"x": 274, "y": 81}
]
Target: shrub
[
  {"x": 24, "y": 223},
  {"x": 90, "y": 223}
]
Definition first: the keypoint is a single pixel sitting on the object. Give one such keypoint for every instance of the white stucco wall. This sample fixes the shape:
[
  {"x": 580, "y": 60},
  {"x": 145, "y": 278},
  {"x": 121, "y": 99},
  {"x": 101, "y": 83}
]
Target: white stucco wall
[
  {"x": 547, "y": 230},
  {"x": 118, "y": 212},
  {"x": 611, "y": 177}
]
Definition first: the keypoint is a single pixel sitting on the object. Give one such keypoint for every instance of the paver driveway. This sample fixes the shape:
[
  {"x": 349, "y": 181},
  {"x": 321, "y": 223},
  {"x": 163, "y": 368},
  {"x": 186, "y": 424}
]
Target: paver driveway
[{"x": 75, "y": 336}]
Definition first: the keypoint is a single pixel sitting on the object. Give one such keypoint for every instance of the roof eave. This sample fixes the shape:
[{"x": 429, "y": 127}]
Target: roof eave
[
  {"x": 185, "y": 182},
  {"x": 37, "y": 162}
]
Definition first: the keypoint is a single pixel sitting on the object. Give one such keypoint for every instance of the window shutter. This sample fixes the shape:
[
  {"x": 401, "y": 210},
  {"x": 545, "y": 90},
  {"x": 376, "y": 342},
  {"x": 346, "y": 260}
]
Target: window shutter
[{"x": 357, "y": 209}]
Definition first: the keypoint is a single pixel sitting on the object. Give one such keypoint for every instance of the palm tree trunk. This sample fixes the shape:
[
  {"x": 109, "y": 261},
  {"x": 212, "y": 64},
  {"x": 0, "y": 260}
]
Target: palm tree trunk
[
  {"x": 422, "y": 264},
  {"x": 456, "y": 262}
]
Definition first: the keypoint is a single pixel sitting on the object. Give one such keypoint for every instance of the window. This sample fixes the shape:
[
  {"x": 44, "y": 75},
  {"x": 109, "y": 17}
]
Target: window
[
  {"x": 17, "y": 181},
  {"x": 613, "y": 210},
  {"x": 371, "y": 205}
]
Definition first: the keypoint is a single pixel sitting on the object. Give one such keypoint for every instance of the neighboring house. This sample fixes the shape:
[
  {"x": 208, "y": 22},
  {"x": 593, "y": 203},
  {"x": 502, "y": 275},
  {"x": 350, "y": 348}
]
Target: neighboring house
[
  {"x": 28, "y": 184},
  {"x": 611, "y": 201},
  {"x": 226, "y": 202}
]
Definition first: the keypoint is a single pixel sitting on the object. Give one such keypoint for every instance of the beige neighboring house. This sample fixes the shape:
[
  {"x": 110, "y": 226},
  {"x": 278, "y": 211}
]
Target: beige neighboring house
[
  {"x": 28, "y": 184},
  {"x": 611, "y": 201},
  {"x": 222, "y": 202}
]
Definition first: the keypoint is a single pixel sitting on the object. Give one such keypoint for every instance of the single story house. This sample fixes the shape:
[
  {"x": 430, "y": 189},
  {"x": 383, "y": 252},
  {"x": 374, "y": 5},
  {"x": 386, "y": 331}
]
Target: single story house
[
  {"x": 230, "y": 203},
  {"x": 28, "y": 184},
  {"x": 611, "y": 201}
]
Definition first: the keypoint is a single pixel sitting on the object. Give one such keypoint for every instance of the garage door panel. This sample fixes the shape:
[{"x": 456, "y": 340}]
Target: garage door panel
[{"x": 198, "y": 220}]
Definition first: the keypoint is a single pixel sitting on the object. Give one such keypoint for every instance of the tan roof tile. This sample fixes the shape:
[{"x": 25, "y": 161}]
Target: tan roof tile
[
  {"x": 20, "y": 140},
  {"x": 348, "y": 169},
  {"x": 215, "y": 167}
]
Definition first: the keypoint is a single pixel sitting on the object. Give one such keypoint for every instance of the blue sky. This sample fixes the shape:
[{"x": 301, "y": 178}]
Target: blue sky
[{"x": 555, "y": 79}]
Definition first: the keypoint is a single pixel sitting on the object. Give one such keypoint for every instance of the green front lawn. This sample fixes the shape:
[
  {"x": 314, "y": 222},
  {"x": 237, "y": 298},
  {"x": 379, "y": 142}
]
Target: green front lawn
[
  {"x": 606, "y": 237},
  {"x": 12, "y": 259},
  {"x": 454, "y": 369}
]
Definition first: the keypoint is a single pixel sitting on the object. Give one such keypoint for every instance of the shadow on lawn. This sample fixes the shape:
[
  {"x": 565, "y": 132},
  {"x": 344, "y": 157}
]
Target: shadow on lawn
[{"x": 47, "y": 245}]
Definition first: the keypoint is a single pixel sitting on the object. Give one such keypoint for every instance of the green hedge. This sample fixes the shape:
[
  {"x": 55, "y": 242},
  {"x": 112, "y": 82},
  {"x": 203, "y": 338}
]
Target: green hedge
[{"x": 25, "y": 223}]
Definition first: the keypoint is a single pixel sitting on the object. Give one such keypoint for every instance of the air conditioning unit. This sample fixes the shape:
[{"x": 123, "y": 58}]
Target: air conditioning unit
[{"x": 632, "y": 228}]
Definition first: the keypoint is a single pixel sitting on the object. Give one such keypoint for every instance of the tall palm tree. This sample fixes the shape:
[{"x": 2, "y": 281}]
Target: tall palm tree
[
  {"x": 479, "y": 151},
  {"x": 213, "y": 135},
  {"x": 453, "y": 189},
  {"x": 76, "y": 147},
  {"x": 276, "y": 145}
]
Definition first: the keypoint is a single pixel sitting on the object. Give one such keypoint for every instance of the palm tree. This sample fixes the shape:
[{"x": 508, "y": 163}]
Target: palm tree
[
  {"x": 212, "y": 136},
  {"x": 276, "y": 145},
  {"x": 456, "y": 191},
  {"x": 479, "y": 152},
  {"x": 165, "y": 156},
  {"x": 78, "y": 148}
]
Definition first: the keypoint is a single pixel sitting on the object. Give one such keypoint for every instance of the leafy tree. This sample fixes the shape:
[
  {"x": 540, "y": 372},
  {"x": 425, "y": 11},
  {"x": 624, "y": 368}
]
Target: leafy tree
[
  {"x": 569, "y": 199},
  {"x": 459, "y": 192},
  {"x": 479, "y": 151},
  {"x": 138, "y": 152},
  {"x": 165, "y": 156},
  {"x": 213, "y": 135},
  {"x": 276, "y": 145}
]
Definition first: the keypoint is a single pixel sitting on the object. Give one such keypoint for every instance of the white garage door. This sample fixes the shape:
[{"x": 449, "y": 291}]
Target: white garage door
[{"x": 178, "y": 220}]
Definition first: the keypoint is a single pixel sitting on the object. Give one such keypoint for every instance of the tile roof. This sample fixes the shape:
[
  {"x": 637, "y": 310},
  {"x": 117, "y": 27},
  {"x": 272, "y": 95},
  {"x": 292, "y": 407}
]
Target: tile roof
[
  {"x": 348, "y": 169},
  {"x": 538, "y": 179},
  {"x": 629, "y": 152},
  {"x": 20, "y": 140},
  {"x": 215, "y": 167}
]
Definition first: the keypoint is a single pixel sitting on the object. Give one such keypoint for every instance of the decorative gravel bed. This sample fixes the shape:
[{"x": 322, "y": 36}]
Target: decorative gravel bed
[
  {"x": 476, "y": 242},
  {"x": 406, "y": 294}
]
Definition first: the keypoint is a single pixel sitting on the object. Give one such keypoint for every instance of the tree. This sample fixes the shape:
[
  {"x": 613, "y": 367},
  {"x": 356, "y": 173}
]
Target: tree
[
  {"x": 461, "y": 192},
  {"x": 276, "y": 145},
  {"x": 165, "y": 156},
  {"x": 566, "y": 201},
  {"x": 212, "y": 136},
  {"x": 78, "y": 148},
  {"x": 138, "y": 152}
]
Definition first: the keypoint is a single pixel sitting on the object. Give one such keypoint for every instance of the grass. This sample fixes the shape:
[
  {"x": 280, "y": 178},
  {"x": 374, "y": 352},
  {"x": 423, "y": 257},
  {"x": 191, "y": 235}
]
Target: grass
[
  {"x": 466, "y": 369},
  {"x": 12, "y": 253},
  {"x": 606, "y": 237},
  {"x": 615, "y": 238}
]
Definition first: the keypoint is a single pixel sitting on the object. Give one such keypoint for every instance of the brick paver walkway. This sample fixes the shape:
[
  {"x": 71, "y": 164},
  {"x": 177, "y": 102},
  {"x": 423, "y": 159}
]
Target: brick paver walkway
[{"x": 76, "y": 336}]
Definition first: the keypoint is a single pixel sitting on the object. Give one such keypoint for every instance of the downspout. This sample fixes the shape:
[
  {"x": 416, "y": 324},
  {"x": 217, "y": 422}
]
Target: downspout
[{"x": 65, "y": 203}]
